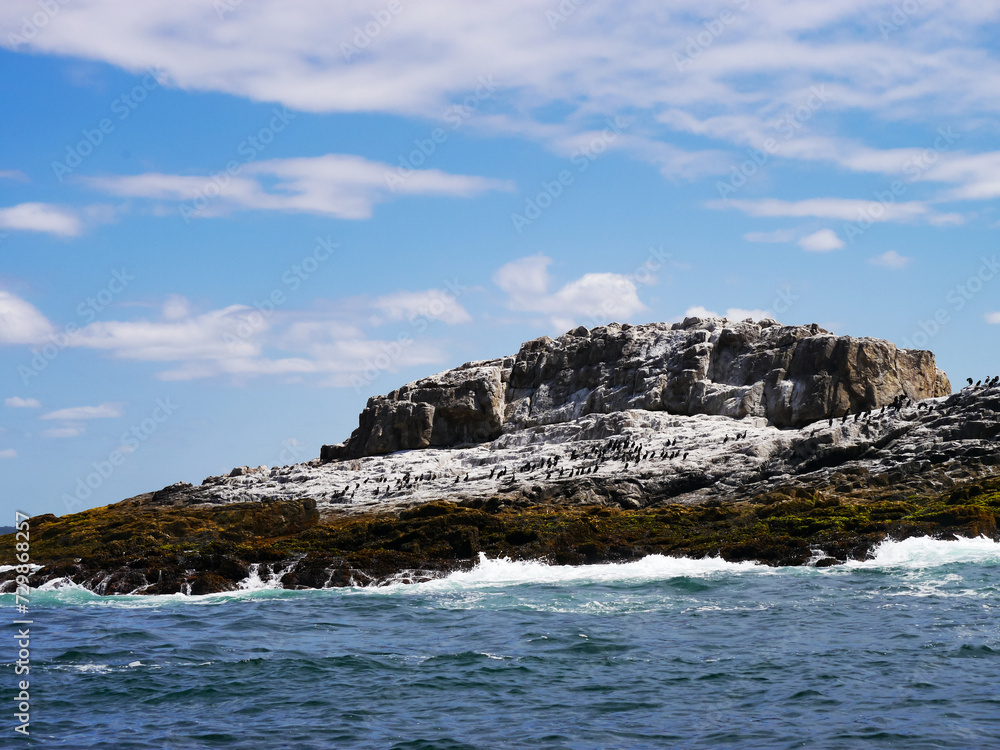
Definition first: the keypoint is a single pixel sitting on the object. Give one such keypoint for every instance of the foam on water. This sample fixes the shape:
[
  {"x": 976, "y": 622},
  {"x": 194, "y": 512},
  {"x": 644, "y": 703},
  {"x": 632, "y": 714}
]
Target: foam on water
[
  {"x": 32, "y": 567},
  {"x": 914, "y": 556},
  {"x": 918, "y": 553},
  {"x": 502, "y": 572}
]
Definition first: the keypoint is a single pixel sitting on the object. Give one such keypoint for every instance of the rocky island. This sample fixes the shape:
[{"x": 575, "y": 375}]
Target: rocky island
[{"x": 787, "y": 445}]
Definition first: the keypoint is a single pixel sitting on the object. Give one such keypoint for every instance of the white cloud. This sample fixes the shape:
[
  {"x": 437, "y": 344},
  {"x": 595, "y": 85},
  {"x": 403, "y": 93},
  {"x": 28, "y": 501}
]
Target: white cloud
[
  {"x": 330, "y": 344},
  {"x": 434, "y": 304},
  {"x": 732, "y": 313},
  {"x": 335, "y": 184},
  {"x": 978, "y": 175},
  {"x": 524, "y": 279},
  {"x": 76, "y": 413},
  {"x": 821, "y": 242},
  {"x": 13, "y": 174},
  {"x": 847, "y": 209},
  {"x": 591, "y": 299},
  {"x": 41, "y": 217},
  {"x": 176, "y": 307},
  {"x": 598, "y": 59},
  {"x": 993, "y": 318},
  {"x": 218, "y": 334},
  {"x": 64, "y": 432},
  {"x": 22, "y": 403},
  {"x": 8, "y": 453},
  {"x": 739, "y": 313},
  {"x": 700, "y": 312},
  {"x": 892, "y": 260},
  {"x": 20, "y": 321},
  {"x": 779, "y": 235}
]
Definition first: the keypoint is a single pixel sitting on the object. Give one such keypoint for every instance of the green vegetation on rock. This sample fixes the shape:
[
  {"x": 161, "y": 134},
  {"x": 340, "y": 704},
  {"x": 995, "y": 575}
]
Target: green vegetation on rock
[{"x": 135, "y": 547}]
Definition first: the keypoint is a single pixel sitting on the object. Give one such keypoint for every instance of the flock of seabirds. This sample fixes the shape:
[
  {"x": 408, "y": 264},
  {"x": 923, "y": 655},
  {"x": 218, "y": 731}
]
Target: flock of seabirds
[{"x": 625, "y": 450}]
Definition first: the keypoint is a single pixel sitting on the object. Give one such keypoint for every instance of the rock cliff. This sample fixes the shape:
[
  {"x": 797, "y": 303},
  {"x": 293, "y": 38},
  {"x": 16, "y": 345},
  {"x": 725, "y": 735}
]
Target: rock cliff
[{"x": 788, "y": 375}]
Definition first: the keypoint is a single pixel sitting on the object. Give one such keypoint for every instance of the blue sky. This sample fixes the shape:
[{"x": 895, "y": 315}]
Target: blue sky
[{"x": 224, "y": 225}]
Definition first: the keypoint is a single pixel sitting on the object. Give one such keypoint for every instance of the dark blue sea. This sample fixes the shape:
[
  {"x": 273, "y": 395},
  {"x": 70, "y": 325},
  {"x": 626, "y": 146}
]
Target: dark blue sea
[{"x": 899, "y": 652}]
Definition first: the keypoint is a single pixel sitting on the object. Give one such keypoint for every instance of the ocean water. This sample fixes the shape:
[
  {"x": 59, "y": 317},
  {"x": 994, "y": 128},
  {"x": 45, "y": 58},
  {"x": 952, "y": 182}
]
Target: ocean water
[{"x": 902, "y": 651}]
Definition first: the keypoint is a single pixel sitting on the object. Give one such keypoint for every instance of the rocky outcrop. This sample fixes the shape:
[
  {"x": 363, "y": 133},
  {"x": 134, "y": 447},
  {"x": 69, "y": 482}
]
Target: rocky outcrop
[
  {"x": 788, "y": 375},
  {"x": 464, "y": 405},
  {"x": 591, "y": 447}
]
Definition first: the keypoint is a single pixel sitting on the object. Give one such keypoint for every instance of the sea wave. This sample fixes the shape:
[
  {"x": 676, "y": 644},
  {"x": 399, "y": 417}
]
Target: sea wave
[
  {"x": 918, "y": 553},
  {"x": 502, "y": 572},
  {"x": 914, "y": 555}
]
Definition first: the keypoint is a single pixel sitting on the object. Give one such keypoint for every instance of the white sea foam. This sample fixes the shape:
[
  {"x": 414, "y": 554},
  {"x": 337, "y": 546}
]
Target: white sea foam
[
  {"x": 492, "y": 573},
  {"x": 918, "y": 553},
  {"x": 915, "y": 555}
]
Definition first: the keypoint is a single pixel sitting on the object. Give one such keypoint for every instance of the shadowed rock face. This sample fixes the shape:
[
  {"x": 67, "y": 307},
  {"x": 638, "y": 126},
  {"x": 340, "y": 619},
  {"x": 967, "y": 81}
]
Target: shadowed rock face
[{"x": 789, "y": 375}]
